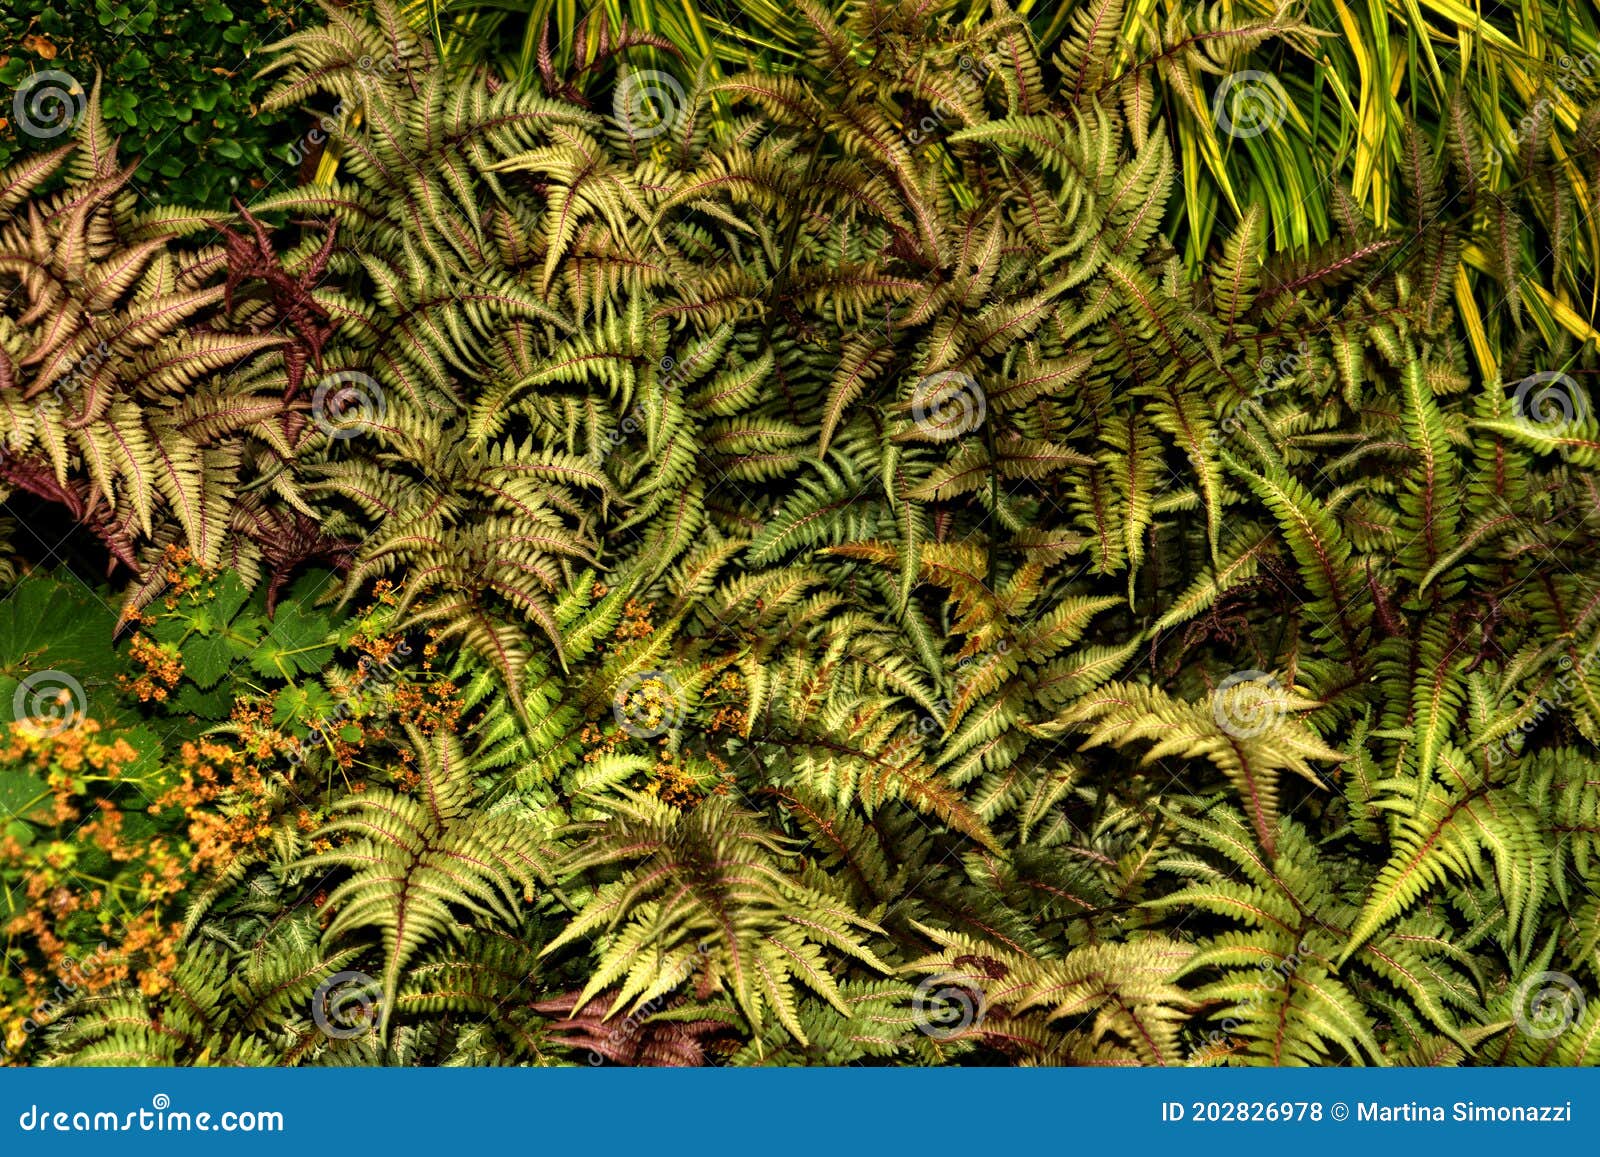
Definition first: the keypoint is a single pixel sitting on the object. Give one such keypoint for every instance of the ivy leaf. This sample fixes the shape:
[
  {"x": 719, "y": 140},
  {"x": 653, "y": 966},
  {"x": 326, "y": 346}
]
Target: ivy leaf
[
  {"x": 302, "y": 704},
  {"x": 206, "y": 659},
  {"x": 296, "y": 644},
  {"x": 24, "y": 796},
  {"x": 228, "y": 596},
  {"x": 214, "y": 704},
  {"x": 49, "y": 625}
]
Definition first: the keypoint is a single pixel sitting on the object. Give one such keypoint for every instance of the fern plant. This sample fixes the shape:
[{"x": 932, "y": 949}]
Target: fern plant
[{"x": 888, "y": 605}]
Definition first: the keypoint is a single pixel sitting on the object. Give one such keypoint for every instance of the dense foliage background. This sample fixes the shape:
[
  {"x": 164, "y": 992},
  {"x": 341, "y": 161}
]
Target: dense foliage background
[
  {"x": 877, "y": 534},
  {"x": 180, "y": 87}
]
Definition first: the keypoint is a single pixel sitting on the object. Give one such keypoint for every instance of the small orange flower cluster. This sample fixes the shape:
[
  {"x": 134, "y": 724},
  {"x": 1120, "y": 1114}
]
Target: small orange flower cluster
[
  {"x": 263, "y": 742},
  {"x": 178, "y": 567},
  {"x": 380, "y": 649},
  {"x": 675, "y": 781},
  {"x": 223, "y": 798},
  {"x": 157, "y": 946},
  {"x": 348, "y": 740},
  {"x": 144, "y": 949},
  {"x": 432, "y": 707},
  {"x": 105, "y": 831},
  {"x": 62, "y": 894},
  {"x": 673, "y": 784},
  {"x": 73, "y": 750},
  {"x": 635, "y": 622},
  {"x": 36, "y": 923},
  {"x": 597, "y": 743},
  {"x": 724, "y": 776},
  {"x": 731, "y": 716},
  {"x": 163, "y": 667}
]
